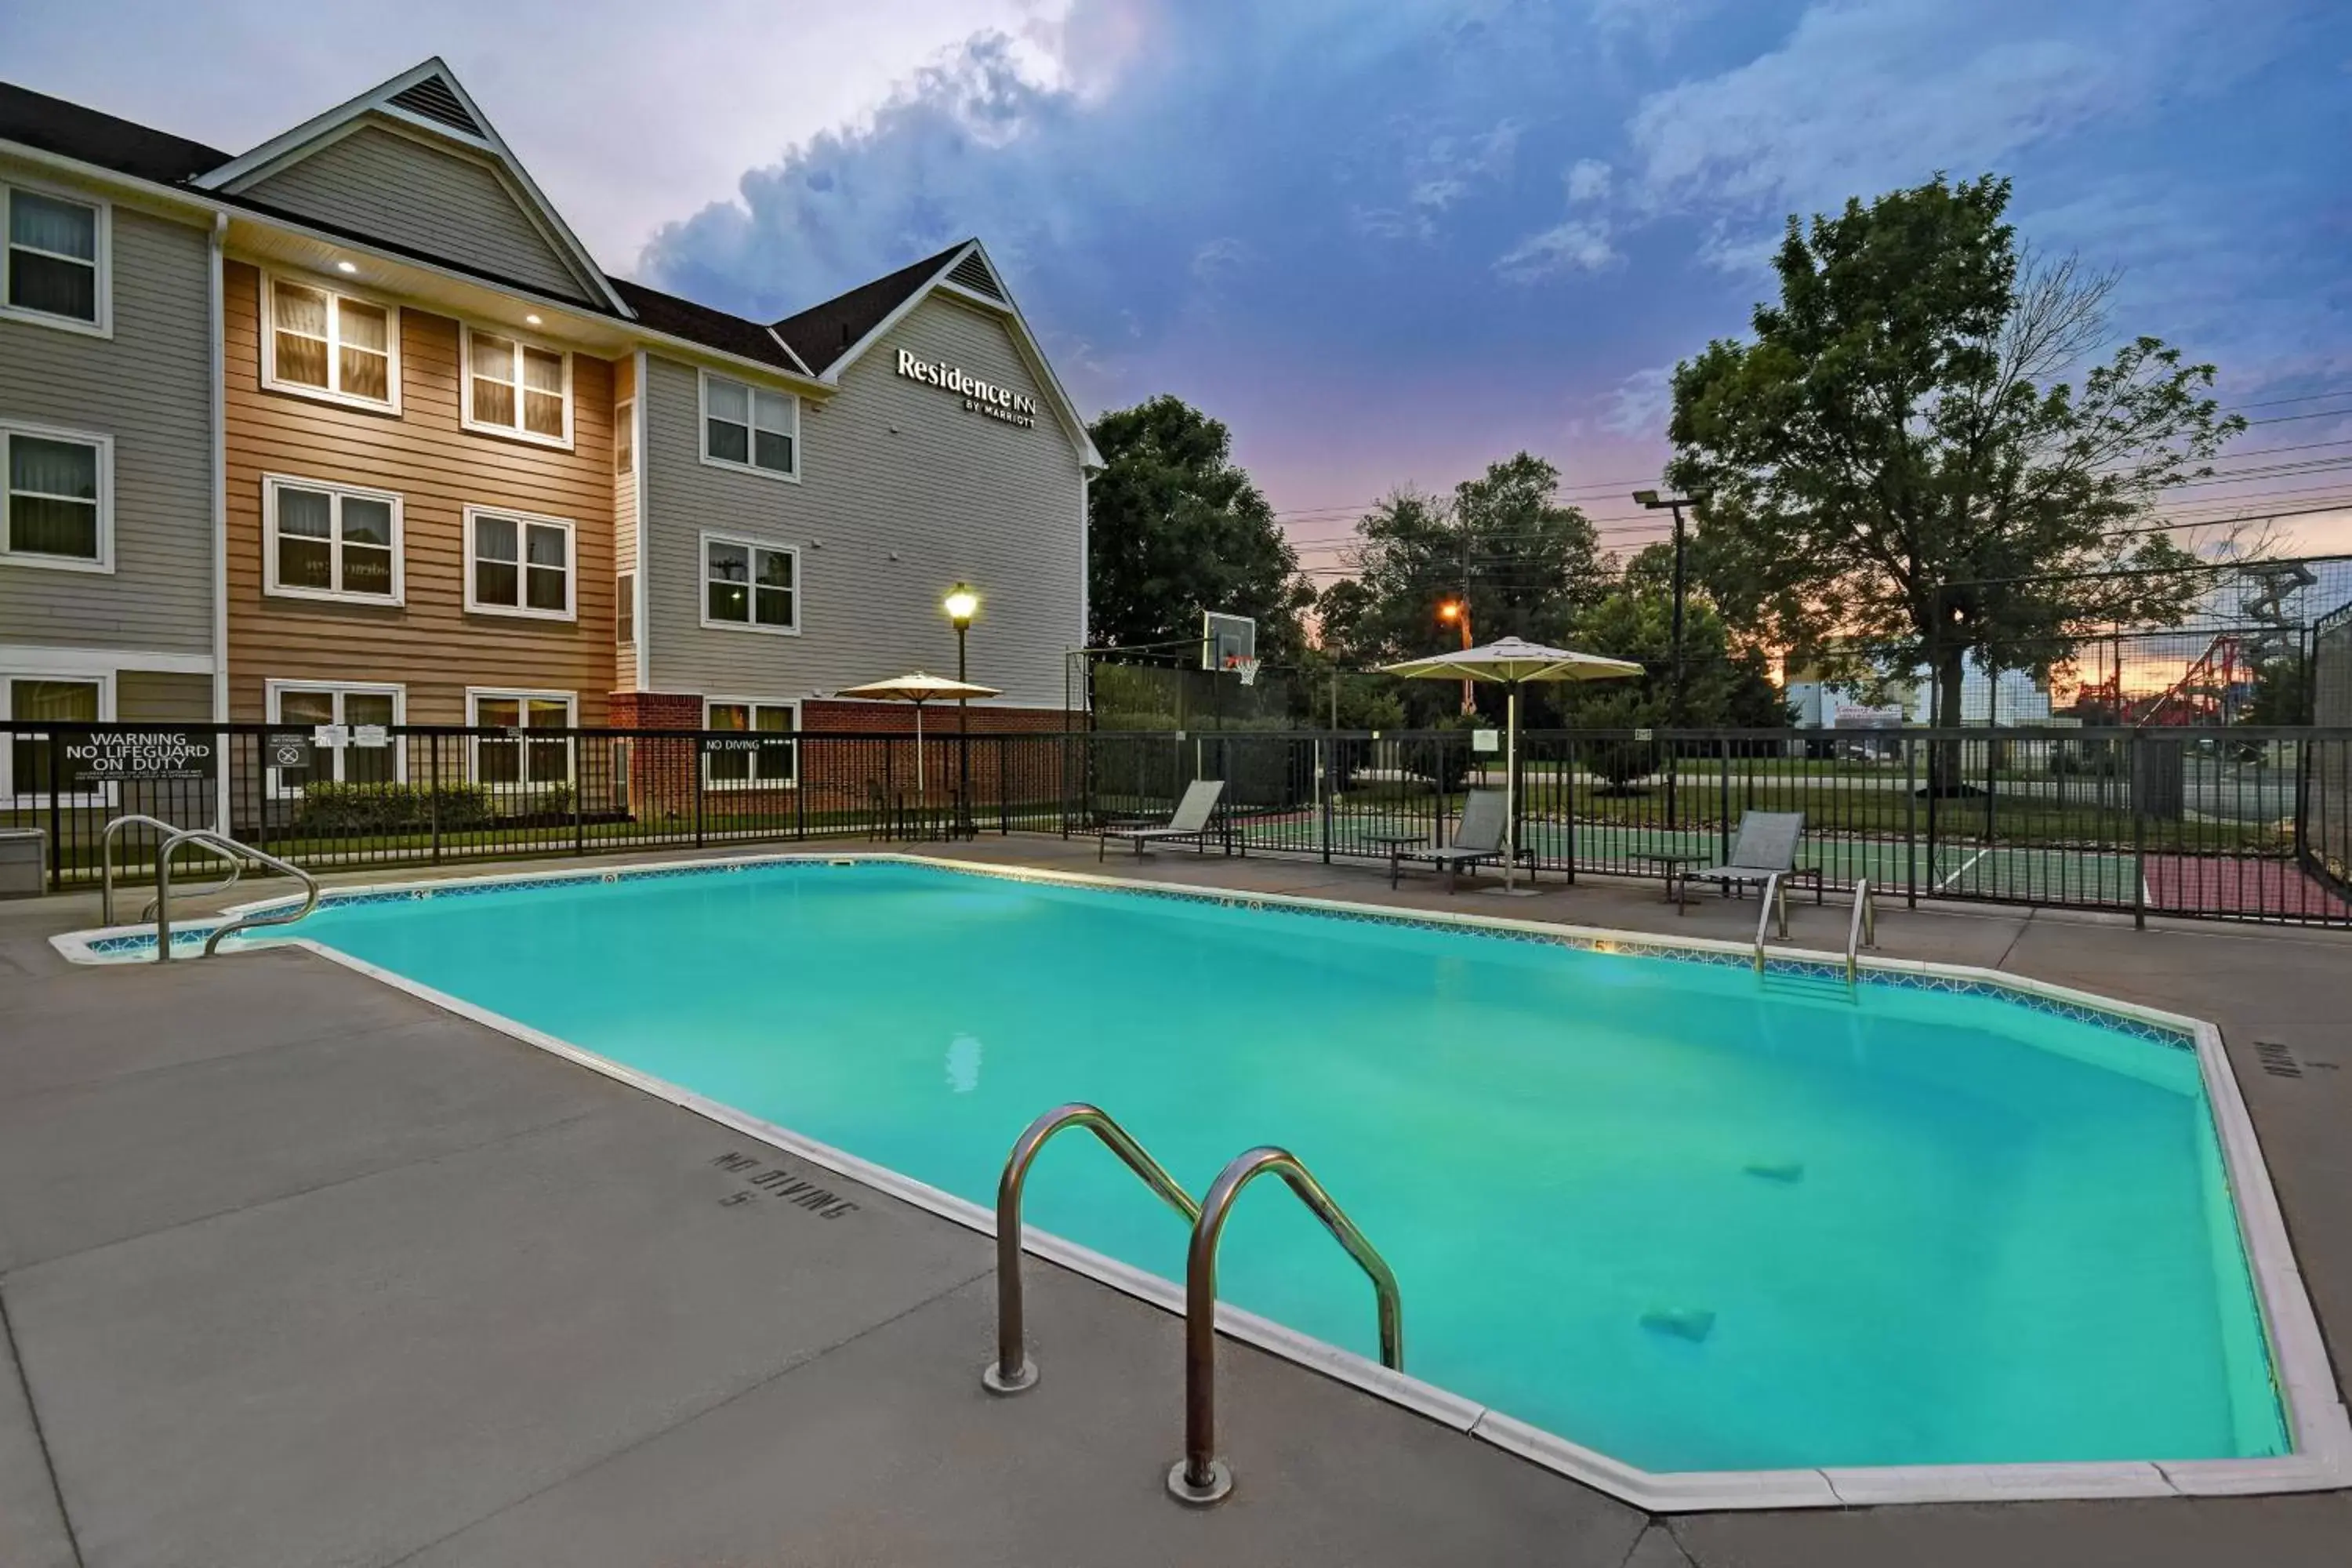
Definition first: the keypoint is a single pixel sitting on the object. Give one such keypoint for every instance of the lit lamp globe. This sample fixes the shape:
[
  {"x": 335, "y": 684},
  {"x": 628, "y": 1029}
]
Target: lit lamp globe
[{"x": 960, "y": 604}]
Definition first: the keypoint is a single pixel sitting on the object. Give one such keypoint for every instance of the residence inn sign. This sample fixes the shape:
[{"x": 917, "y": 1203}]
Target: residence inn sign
[{"x": 979, "y": 396}]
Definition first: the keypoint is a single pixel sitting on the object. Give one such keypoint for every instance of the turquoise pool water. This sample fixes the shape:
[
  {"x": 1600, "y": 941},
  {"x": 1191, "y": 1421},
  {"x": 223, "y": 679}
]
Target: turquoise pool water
[{"x": 1688, "y": 1216}]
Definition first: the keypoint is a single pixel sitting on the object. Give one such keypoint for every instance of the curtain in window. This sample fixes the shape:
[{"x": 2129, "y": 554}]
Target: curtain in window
[
  {"x": 62, "y": 228},
  {"x": 306, "y": 551},
  {"x": 52, "y": 497},
  {"x": 365, "y": 334},
  {"x": 63, "y": 282},
  {"x": 495, "y": 568},
  {"x": 300, "y": 317},
  {"x": 45, "y": 702},
  {"x": 542, "y": 396}
]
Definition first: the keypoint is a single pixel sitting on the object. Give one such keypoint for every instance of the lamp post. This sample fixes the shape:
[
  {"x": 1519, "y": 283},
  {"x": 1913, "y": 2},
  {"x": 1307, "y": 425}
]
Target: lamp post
[
  {"x": 961, "y": 604},
  {"x": 1456, "y": 612},
  {"x": 1676, "y": 715}
]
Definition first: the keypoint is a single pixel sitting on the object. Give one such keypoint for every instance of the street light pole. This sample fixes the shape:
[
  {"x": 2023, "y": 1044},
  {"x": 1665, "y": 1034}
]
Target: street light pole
[
  {"x": 961, "y": 604},
  {"x": 1457, "y": 611},
  {"x": 1677, "y": 714}
]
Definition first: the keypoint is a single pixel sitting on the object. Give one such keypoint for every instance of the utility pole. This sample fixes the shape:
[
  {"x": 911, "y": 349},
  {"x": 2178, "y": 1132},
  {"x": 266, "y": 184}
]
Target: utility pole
[{"x": 1656, "y": 503}]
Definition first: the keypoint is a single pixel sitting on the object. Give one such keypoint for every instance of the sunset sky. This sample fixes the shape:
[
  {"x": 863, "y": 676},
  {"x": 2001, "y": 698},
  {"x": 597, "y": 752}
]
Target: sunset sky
[{"x": 1389, "y": 240}]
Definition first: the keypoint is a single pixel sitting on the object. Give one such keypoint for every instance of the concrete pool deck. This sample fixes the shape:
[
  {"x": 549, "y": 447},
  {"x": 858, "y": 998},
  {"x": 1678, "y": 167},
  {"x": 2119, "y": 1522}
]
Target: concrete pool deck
[{"x": 297, "y": 1268}]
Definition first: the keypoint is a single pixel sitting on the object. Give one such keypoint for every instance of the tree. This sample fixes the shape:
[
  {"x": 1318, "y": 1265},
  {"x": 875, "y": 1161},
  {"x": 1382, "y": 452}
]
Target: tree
[
  {"x": 1892, "y": 473},
  {"x": 1528, "y": 564},
  {"x": 1174, "y": 529},
  {"x": 1723, "y": 684}
]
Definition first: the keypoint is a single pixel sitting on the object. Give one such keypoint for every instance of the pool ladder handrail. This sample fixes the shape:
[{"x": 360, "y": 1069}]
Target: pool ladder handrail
[
  {"x": 1200, "y": 1478},
  {"x": 1012, "y": 1372},
  {"x": 1860, "y": 930},
  {"x": 106, "y": 867},
  {"x": 229, "y": 849},
  {"x": 1776, "y": 893}
]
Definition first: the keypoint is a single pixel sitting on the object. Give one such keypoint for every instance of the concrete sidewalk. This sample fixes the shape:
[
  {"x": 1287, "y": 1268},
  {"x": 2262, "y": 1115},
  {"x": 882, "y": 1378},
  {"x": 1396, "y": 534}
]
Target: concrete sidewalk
[{"x": 298, "y": 1269}]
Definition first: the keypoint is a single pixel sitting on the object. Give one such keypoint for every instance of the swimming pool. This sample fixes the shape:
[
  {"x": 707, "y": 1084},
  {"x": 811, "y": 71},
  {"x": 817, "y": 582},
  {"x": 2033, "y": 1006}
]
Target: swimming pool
[{"x": 1684, "y": 1217}]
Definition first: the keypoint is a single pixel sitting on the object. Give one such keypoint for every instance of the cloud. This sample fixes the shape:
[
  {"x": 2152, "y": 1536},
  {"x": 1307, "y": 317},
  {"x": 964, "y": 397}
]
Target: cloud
[
  {"x": 1638, "y": 405},
  {"x": 1588, "y": 181},
  {"x": 1579, "y": 244}
]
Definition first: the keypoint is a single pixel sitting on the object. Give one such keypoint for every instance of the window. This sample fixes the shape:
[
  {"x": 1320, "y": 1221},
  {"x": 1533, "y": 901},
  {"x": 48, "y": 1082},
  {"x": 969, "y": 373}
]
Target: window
[
  {"x": 749, "y": 427},
  {"x": 327, "y": 541},
  {"x": 58, "y": 509},
  {"x": 515, "y": 758},
  {"x": 750, "y": 585},
  {"x": 625, "y": 437},
  {"x": 296, "y": 705},
  {"x": 332, "y": 345},
  {"x": 624, "y": 609},
  {"x": 751, "y": 747},
  {"x": 516, "y": 388},
  {"x": 36, "y": 698},
  {"x": 55, "y": 259},
  {"x": 517, "y": 564}
]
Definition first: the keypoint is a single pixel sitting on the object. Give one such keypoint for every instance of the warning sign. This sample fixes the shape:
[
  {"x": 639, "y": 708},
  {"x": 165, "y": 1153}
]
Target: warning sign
[{"x": 111, "y": 756}]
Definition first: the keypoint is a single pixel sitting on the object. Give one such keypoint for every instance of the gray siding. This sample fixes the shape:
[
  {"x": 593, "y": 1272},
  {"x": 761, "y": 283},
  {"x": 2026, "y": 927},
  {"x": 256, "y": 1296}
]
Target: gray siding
[
  {"x": 153, "y": 697},
  {"x": 150, "y": 387},
  {"x": 890, "y": 468},
  {"x": 379, "y": 183}
]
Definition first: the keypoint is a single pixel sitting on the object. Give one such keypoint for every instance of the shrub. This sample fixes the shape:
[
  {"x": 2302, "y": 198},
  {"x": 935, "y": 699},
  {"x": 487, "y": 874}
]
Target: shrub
[{"x": 334, "y": 810}]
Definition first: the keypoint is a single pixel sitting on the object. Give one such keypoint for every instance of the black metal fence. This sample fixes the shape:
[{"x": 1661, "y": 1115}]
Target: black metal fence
[{"x": 2224, "y": 823}]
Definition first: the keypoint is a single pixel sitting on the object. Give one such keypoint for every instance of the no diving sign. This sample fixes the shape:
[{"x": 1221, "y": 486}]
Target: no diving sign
[{"x": 110, "y": 756}]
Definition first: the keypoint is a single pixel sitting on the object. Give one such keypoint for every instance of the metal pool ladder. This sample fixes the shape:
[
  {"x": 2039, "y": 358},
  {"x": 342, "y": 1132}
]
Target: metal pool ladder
[
  {"x": 1011, "y": 1372},
  {"x": 1862, "y": 929},
  {"x": 1200, "y": 1478},
  {"x": 160, "y": 907},
  {"x": 1775, "y": 894}
]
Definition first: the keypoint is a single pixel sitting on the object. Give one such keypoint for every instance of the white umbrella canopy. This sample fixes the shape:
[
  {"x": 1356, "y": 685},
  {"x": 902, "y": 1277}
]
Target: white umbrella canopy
[
  {"x": 1513, "y": 662},
  {"x": 917, "y": 689}
]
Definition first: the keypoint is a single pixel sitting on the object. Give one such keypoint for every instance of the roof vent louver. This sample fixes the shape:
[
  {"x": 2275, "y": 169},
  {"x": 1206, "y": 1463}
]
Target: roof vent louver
[
  {"x": 972, "y": 273},
  {"x": 432, "y": 99}
]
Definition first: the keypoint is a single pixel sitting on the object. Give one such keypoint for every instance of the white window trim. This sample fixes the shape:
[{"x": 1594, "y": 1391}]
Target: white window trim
[
  {"x": 474, "y": 696},
  {"x": 466, "y": 331},
  {"x": 104, "y": 326},
  {"x": 335, "y": 294},
  {"x": 625, "y": 437},
  {"x": 625, "y": 607},
  {"x": 271, "y": 484},
  {"x": 571, "y": 611},
  {"x": 11, "y": 669},
  {"x": 754, "y": 704},
  {"x": 748, "y": 541},
  {"x": 273, "y": 689},
  {"x": 105, "y": 444},
  {"x": 702, "y": 431}
]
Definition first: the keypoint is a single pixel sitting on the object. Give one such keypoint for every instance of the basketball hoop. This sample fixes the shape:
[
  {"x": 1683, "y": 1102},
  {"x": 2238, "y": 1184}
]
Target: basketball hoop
[{"x": 1243, "y": 666}]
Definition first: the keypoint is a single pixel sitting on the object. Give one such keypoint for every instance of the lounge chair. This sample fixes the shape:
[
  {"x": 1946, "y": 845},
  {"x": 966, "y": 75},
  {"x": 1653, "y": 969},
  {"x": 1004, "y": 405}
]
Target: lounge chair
[
  {"x": 1477, "y": 839},
  {"x": 1188, "y": 824},
  {"x": 1763, "y": 855}
]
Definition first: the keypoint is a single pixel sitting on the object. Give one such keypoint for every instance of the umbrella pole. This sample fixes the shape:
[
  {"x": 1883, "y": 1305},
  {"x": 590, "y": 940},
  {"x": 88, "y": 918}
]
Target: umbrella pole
[
  {"x": 922, "y": 794},
  {"x": 1510, "y": 790}
]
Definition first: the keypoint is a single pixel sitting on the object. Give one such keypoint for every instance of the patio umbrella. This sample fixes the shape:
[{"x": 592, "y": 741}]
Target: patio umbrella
[
  {"x": 917, "y": 689},
  {"x": 1513, "y": 662}
]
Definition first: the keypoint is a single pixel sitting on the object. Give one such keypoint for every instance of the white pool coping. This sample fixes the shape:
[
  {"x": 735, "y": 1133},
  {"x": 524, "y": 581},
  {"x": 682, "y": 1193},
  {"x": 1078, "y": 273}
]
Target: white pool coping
[{"x": 2317, "y": 1422}]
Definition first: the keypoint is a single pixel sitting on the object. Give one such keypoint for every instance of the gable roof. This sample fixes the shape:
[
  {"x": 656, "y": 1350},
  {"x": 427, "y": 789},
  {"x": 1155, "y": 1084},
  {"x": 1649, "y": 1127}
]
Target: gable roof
[
  {"x": 826, "y": 332},
  {"x": 832, "y": 336},
  {"x": 425, "y": 98},
  {"x": 53, "y": 125}
]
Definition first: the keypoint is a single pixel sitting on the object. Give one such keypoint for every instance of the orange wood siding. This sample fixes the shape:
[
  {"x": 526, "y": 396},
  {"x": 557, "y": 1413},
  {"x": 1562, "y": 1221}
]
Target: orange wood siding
[{"x": 430, "y": 643}]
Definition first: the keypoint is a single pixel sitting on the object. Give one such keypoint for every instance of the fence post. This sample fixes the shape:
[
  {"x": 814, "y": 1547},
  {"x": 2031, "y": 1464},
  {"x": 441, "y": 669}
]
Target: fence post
[
  {"x": 800, "y": 788},
  {"x": 1935, "y": 771},
  {"x": 433, "y": 790},
  {"x": 2133, "y": 773},
  {"x": 1326, "y": 782},
  {"x": 56, "y": 817},
  {"x": 1910, "y": 824},
  {"x": 1723, "y": 797},
  {"x": 693, "y": 782},
  {"x": 1004, "y": 785},
  {"x": 579, "y": 794}
]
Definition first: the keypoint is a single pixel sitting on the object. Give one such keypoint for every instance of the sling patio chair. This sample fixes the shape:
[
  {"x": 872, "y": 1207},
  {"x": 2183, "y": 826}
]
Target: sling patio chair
[
  {"x": 1188, "y": 824},
  {"x": 1477, "y": 839},
  {"x": 1763, "y": 855}
]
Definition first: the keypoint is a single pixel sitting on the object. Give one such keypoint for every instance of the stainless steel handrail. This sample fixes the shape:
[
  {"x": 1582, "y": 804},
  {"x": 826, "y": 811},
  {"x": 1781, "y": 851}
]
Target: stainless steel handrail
[
  {"x": 106, "y": 856},
  {"x": 1200, "y": 1478},
  {"x": 230, "y": 847},
  {"x": 1012, "y": 1371},
  {"x": 1860, "y": 930},
  {"x": 1775, "y": 891},
  {"x": 236, "y": 871}
]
